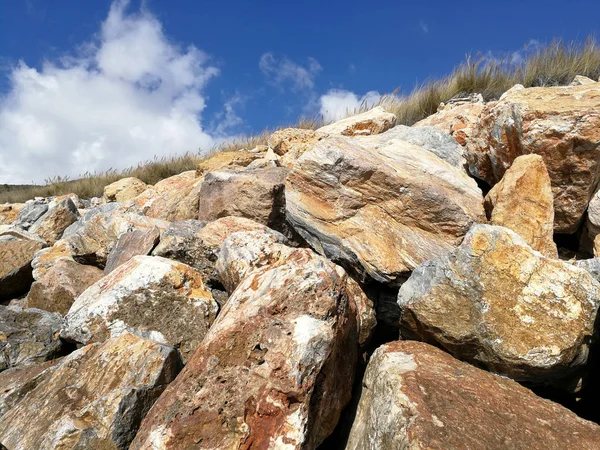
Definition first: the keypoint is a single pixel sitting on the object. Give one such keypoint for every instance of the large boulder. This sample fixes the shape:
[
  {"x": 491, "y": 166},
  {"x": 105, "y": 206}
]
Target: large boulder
[
  {"x": 374, "y": 121},
  {"x": 274, "y": 371},
  {"x": 291, "y": 143},
  {"x": 415, "y": 396},
  {"x": 562, "y": 125},
  {"x": 133, "y": 243},
  {"x": 58, "y": 288},
  {"x": 55, "y": 221},
  {"x": 124, "y": 189},
  {"x": 499, "y": 304},
  {"x": 458, "y": 120},
  {"x": 31, "y": 212},
  {"x": 94, "y": 398},
  {"x": 15, "y": 265},
  {"x": 380, "y": 210},
  {"x": 28, "y": 336},
  {"x": 227, "y": 160},
  {"x": 9, "y": 212},
  {"x": 149, "y": 296},
  {"x": 46, "y": 258},
  {"x": 523, "y": 202}
]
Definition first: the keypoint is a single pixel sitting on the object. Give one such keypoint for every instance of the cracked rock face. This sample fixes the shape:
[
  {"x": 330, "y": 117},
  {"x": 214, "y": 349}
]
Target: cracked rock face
[
  {"x": 15, "y": 265},
  {"x": 498, "y": 304},
  {"x": 274, "y": 371},
  {"x": 53, "y": 223},
  {"x": 94, "y": 398},
  {"x": 415, "y": 396}
]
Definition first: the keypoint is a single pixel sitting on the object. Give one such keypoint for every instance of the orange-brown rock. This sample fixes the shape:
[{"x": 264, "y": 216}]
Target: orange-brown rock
[
  {"x": 291, "y": 143},
  {"x": 562, "y": 125},
  {"x": 458, "y": 120},
  {"x": 46, "y": 258},
  {"x": 124, "y": 189},
  {"x": 53, "y": 223},
  {"x": 374, "y": 121},
  {"x": 415, "y": 396},
  {"x": 274, "y": 371},
  {"x": 523, "y": 202},
  {"x": 15, "y": 265},
  {"x": 497, "y": 303},
  {"x": 9, "y": 212},
  {"x": 227, "y": 160},
  {"x": 94, "y": 398}
]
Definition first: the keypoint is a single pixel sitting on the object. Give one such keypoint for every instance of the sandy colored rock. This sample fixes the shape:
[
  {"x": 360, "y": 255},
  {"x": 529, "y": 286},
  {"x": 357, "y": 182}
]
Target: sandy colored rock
[
  {"x": 274, "y": 371},
  {"x": 55, "y": 221},
  {"x": 133, "y": 243},
  {"x": 58, "y": 288},
  {"x": 523, "y": 202},
  {"x": 497, "y": 303},
  {"x": 94, "y": 398},
  {"x": 456, "y": 120},
  {"x": 562, "y": 125},
  {"x": 254, "y": 194},
  {"x": 291, "y": 143},
  {"x": 580, "y": 80},
  {"x": 380, "y": 211},
  {"x": 227, "y": 160},
  {"x": 9, "y": 212},
  {"x": 375, "y": 121},
  {"x": 124, "y": 189},
  {"x": 149, "y": 296},
  {"x": 415, "y": 396},
  {"x": 15, "y": 265},
  {"x": 28, "y": 336},
  {"x": 46, "y": 258}
]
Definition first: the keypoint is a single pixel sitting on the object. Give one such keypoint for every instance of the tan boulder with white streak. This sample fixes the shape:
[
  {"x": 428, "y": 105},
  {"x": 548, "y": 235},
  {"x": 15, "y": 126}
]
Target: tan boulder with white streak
[
  {"x": 94, "y": 398},
  {"x": 523, "y": 202},
  {"x": 374, "y": 121}
]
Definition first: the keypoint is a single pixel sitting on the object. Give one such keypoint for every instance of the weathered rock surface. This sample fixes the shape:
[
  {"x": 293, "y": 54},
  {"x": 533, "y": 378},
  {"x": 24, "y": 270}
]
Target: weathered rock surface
[
  {"x": 58, "y": 288},
  {"x": 9, "y": 212},
  {"x": 55, "y": 221},
  {"x": 94, "y": 398},
  {"x": 274, "y": 371},
  {"x": 291, "y": 143},
  {"x": 151, "y": 297},
  {"x": 456, "y": 120},
  {"x": 254, "y": 194},
  {"x": 15, "y": 265},
  {"x": 375, "y": 121},
  {"x": 46, "y": 258},
  {"x": 497, "y": 303},
  {"x": 562, "y": 125},
  {"x": 523, "y": 202},
  {"x": 580, "y": 80},
  {"x": 133, "y": 243},
  {"x": 124, "y": 189},
  {"x": 28, "y": 336},
  {"x": 415, "y": 396},
  {"x": 32, "y": 211},
  {"x": 227, "y": 160},
  {"x": 380, "y": 211}
]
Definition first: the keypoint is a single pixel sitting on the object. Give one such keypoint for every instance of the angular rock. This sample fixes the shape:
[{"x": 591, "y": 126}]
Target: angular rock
[
  {"x": 124, "y": 189},
  {"x": 456, "y": 120},
  {"x": 562, "y": 125},
  {"x": 375, "y": 121},
  {"x": 380, "y": 211},
  {"x": 79, "y": 204},
  {"x": 274, "y": 371},
  {"x": 151, "y": 297},
  {"x": 46, "y": 258},
  {"x": 55, "y": 221},
  {"x": 497, "y": 303},
  {"x": 78, "y": 226},
  {"x": 580, "y": 80},
  {"x": 31, "y": 213},
  {"x": 523, "y": 202},
  {"x": 133, "y": 243},
  {"x": 227, "y": 160},
  {"x": 9, "y": 212},
  {"x": 254, "y": 194},
  {"x": 291, "y": 143},
  {"x": 15, "y": 265},
  {"x": 28, "y": 336},
  {"x": 415, "y": 396},
  {"x": 94, "y": 398},
  {"x": 58, "y": 288}
]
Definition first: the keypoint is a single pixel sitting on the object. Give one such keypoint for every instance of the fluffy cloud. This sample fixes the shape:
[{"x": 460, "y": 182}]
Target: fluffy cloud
[
  {"x": 125, "y": 97},
  {"x": 283, "y": 71},
  {"x": 337, "y": 103}
]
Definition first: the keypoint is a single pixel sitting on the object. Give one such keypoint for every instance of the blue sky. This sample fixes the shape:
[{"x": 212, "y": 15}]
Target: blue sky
[{"x": 87, "y": 85}]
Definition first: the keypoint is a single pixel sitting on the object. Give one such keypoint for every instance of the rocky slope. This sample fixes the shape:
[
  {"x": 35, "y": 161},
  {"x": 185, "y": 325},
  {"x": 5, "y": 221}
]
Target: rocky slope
[{"x": 360, "y": 286}]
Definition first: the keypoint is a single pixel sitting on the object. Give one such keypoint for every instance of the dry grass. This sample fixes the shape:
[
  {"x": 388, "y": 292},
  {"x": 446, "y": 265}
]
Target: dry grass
[{"x": 552, "y": 65}]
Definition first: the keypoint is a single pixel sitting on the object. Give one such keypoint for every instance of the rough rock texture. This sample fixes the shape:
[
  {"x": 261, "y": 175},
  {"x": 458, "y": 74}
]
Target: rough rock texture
[
  {"x": 9, "y": 212},
  {"x": 31, "y": 213},
  {"x": 291, "y": 143},
  {"x": 94, "y": 398},
  {"x": 58, "y": 288},
  {"x": 375, "y": 121},
  {"x": 497, "y": 303},
  {"x": 104, "y": 209},
  {"x": 124, "y": 189},
  {"x": 523, "y": 202},
  {"x": 46, "y": 258},
  {"x": 133, "y": 243},
  {"x": 274, "y": 371},
  {"x": 415, "y": 396},
  {"x": 28, "y": 336},
  {"x": 149, "y": 296},
  {"x": 561, "y": 124},
  {"x": 227, "y": 160},
  {"x": 580, "y": 80},
  {"x": 456, "y": 120},
  {"x": 15, "y": 265},
  {"x": 54, "y": 222},
  {"x": 380, "y": 211},
  {"x": 254, "y": 194}
]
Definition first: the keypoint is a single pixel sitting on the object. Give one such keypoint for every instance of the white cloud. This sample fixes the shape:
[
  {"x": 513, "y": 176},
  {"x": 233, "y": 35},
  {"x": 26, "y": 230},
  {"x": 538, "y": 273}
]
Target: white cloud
[
  {"x": 281, "y": 71},
  {"x": 423, "y": 26},
  {"x": 127, "y": 96},
  {"x": 338, "y": 103}
]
